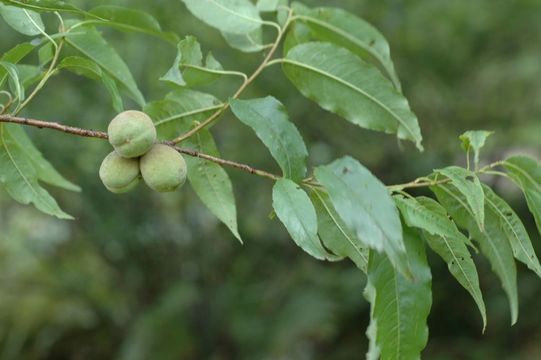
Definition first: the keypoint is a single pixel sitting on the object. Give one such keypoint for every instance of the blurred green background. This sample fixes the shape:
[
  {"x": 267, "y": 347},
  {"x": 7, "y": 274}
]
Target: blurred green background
[{"x": 149, "y": 276}]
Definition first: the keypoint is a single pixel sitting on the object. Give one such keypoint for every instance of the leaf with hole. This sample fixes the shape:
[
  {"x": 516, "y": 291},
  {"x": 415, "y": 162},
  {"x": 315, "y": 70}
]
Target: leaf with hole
[
  {"x": 366, "y": 207},
  {"x": 444, "y": 238},
  {"x": 493, "y": 241},
  {"x": 334, "y": 233},
  {"x": 468, "y": 184}
]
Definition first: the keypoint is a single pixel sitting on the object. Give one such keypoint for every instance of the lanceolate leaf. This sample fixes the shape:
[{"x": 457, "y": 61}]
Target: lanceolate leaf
[
  {"x": 341, "y": 82},
  {"x": 88, "y": 68},
  {"x": 25, "y": 21},
  {"x": 14, "y": 80},
  {"x": 400, "y": 307},
  {"x": 44, "y": 170},
  {"x": 335, "y": 234},
  {"x": 526, "y": 173},
  {"x": 176, "y": 113},
  {"x": 446, "y": 240},
  {"x": 92, "y": 45},
  {"x": 131, "y": 20},
  {"x": 231, "y": 16},
  {"x": 493, "y": 241},
  {"x": 19, "y": 176},
  {"x": 269, "y": 119},
  {"x": 513, "y": 228},
  {"x": 342, "y": 28},
  {"x": 468, "y": 184},
  {"x": 295, "y": 210},
  {"x": 211, "y": 182},
  {"x": 366, "y": 207},
  {"x": 13, "y": 56}
]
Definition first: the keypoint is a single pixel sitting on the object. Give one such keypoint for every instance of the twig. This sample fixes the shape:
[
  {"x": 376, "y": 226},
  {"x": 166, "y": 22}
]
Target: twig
[
  {"x": 53, "y": 125},
  {"x": 103, "y": 135},
  {"x": 244, "y": 85}
]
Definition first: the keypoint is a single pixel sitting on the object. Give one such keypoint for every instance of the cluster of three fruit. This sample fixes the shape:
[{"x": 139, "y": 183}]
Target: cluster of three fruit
[{"x": 137, "y": 154}]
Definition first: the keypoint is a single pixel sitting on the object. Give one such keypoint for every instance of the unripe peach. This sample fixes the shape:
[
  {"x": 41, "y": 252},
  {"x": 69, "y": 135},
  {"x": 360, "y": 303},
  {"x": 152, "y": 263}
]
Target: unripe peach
[
  {"x": 118, "y": 174},
  {"x": 132, "y": 133},
  {"x": 163, "y": 168}
]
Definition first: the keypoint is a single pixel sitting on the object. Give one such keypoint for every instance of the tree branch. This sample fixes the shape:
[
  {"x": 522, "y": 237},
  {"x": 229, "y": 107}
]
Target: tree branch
[
  {"x": 103, "y": 135},
  {"x": 244, "y": 85}
]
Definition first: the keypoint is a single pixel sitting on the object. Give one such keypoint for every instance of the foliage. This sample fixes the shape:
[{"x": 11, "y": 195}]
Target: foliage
[{"x": 341, "y": 63}]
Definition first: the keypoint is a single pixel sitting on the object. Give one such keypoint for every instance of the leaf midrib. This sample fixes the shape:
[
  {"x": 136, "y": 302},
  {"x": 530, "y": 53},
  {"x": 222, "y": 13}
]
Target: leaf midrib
[{"x": 355, "y": 88}]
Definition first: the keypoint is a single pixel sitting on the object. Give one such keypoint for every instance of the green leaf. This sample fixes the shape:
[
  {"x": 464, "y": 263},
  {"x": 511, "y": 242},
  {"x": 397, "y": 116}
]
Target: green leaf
[
  {"x": 334, "y": 233},
  {"x": 231, "y": 16},
  {"x": 345, "y": 29},
  {"x": 446, "y": 240},
  {"x": 493, "y": 241},
  {"x": 188, "y": 68},
  {"x": 13, "y": 56},
  {"x": 298, "y": 33},
  {"x": 513, "y": 228},
  {"x": 211, "y": 183},
  {"x": 88, "y": 68},
  {"x": 26, "y": 22},
  {"x": 81, "y": 66},
  {"x": 176, "y": 113},
  {"x": 44, "y": 170},
  {"x": 341, "y": 82},
  {"x": 270, "y": 5},
  {"x": 29, "y": 74},
  {"x": 366, "y": 207},
  {"x": 19, "y": 176},
  {"x": 526, "y": 174},
  {"x": 467, "y": 183},
  {"x": 475, "y": 140},
  {"x": 131, "y": 20},
  {"x": 45, "y": 6},
  {"x": 400, "y": 307},
  {"x": 14, "y": 79},
  {"x": 251, "y": 42},
  {"x": 295, "y": 210},
  {"x": 91, "y": 44},
  {"x": 268, "y": 118}
]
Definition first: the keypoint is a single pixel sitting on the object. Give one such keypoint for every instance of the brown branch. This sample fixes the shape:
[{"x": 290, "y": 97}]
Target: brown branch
[
  {"x": 103, "y": 135},
  {"x": 53, "y": 125},
  {"x": 229, "y": 163}
]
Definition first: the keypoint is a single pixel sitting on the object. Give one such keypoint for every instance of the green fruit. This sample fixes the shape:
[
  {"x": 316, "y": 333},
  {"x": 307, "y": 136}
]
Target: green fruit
[
  {"x": 132, "y": 133},
  {"x": 163, "y": 168},
  {"x": 118, "y": 174}
]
